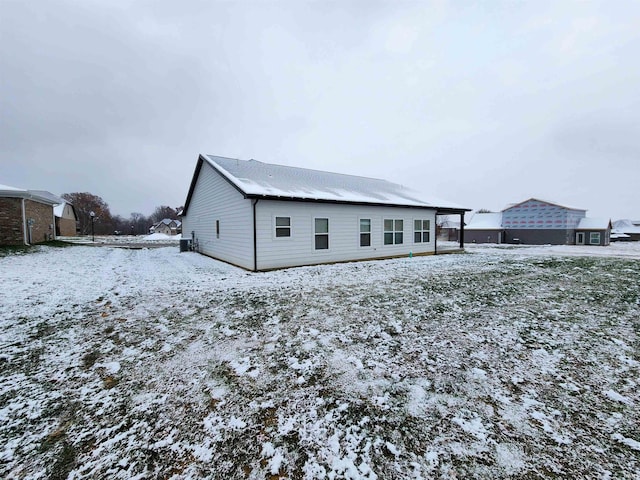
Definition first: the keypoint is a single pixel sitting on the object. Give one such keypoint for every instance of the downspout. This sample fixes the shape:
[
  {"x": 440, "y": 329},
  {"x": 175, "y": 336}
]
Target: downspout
[
  {"x": 255, "y": 237},
  {"x": 53, "y": 232},
  {"x": 24, "y": 223},
  {"x": 435, "y": 236}
]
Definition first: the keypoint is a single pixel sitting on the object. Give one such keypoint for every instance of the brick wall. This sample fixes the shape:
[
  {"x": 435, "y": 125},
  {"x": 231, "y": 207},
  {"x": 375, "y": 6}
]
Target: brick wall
[
  {"x": 11, "y": 232},
  {"x": 42, "y": 215}
]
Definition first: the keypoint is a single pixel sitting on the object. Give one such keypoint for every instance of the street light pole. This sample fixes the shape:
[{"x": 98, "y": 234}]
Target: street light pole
[{"x": 92, "y": 214}]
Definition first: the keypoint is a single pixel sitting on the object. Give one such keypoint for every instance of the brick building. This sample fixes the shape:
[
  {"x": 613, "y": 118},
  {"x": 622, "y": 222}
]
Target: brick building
[
  {"x": 65, "y": 214},
  {"x": 25, "y": 217}
]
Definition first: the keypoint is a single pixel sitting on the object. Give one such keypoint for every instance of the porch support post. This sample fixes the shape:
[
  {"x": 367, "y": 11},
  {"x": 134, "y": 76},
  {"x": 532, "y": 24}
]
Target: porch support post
[{"x": 462, "y": 231}]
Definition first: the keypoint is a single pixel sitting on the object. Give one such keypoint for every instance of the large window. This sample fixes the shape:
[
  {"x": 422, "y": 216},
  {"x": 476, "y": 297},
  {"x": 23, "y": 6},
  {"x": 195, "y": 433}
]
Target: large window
[
  {"x": 421, "y": 231},
  {"x": 594, "y": 238},
  {"x": 365, "y": 232},
  {"x": 283, "y": 226},
  {"x": 393, "y": 230},
  {"x": 322, "y": 233}
]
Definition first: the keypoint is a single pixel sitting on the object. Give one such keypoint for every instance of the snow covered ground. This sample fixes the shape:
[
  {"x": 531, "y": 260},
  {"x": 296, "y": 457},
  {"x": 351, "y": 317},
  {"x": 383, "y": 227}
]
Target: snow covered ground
[
  {"x": 511, "y": 362},
  {"x": 153, "y": 238}
]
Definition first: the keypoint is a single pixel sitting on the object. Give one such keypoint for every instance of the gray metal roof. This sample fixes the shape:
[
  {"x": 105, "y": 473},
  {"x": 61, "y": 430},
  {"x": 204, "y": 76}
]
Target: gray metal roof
[{"x": 258, "y": 179}]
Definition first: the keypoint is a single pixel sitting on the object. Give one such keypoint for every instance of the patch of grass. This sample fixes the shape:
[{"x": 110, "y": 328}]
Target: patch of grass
[
  {"x": 6, "y": 250},
  {"x": 65, "y": 462},
  {"x": 90, "y": 359},
  {"x": 57, "y": 244}
]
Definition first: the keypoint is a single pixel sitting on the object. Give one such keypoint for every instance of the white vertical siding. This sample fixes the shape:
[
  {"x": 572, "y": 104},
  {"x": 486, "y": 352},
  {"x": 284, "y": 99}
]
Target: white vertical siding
[
  {"x": 214, "y": 199},
  {"x": 344, "y": 233}
]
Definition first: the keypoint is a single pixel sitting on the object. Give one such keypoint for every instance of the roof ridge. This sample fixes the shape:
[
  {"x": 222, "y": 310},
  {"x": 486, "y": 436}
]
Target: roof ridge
[{"x": 325, "y": 172}]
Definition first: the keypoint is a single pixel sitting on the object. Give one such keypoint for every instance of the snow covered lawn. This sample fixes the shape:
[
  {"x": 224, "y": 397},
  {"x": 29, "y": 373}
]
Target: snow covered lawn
[{"x": 150, "y": 363}]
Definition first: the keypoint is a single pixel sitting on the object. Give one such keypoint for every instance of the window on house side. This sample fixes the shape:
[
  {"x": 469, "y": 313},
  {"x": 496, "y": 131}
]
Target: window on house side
[
  {"x": 322, "y": 233},
  {"x": 594, "y": 238},
  {"x": 217, "y": 228},
  {"x": 393, "y": 231},
  {"x": 421, "y": 231},
  {"x": 365, "y": 232},
  {"x": 283, "y": 226}
]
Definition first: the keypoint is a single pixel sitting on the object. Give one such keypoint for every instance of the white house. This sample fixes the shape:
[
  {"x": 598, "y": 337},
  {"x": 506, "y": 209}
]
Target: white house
[
  {"x": 261, "y": 216},
  {"x": 167, "y": 226}
]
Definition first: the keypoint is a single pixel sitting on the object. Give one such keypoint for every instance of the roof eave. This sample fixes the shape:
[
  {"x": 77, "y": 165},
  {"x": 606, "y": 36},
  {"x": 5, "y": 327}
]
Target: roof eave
[{"x": 445, "y": 210}]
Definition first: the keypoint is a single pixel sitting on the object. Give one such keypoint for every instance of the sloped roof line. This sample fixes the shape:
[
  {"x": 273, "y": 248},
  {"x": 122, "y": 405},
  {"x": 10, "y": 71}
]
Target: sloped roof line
[
  {"x": 485, "y": 221},
  {"x": 588, "y": 223},
  {"x": 536, "y": 199},
  {"x": 36, "y": 195},
  {"x": 256, "y": 179}
]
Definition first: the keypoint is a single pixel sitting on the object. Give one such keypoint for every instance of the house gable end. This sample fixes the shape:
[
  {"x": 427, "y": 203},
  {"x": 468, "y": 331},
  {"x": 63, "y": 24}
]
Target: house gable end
[{"x": 196, "y": 173}]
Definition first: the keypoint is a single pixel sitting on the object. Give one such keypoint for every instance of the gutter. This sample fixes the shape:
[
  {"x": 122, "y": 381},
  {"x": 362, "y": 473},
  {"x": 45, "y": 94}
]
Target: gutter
[{"x": 255, "y": 236}]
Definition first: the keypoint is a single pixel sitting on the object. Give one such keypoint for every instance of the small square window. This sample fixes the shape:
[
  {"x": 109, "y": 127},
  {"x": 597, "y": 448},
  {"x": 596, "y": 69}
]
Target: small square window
[{"x": 283, "y": 226}]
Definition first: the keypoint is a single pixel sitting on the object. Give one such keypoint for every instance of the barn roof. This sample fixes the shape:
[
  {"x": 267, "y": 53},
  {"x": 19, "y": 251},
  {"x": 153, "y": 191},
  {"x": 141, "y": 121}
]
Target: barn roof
[{"x": 256, "y": 179}]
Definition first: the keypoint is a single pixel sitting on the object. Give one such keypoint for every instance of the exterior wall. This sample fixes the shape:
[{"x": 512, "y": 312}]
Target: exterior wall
[
  {"x": 604, "y": 237},
  {"x": 540, "y": 237},
  {"x": 163, "y": 228},
  {"x": 537, "y": 215},
  {"x": 214, "y": 199},
  {"x": 483, "y": 236},
  {"x": 11, "y": 229},
  {"x": 42, "y": 219},
  {"x": 344, "y": 233},
  {"x": 66, "y": 224}
]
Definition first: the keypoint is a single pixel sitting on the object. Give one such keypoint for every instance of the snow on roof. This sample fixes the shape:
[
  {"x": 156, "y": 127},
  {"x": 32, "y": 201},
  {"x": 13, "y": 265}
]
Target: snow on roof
[
  {"x": 594, "y": 224},
  {"x": 167, "y": 221},
  {"x": 260, "y": 179},
  {"x": 625, "y": 226},
  {"x": 485, "y": 221},
  {"x": 37, "y": 195},
  {"x": 7, "y": 188},
  {"x": 536, "y": 199},
  {"x": 450, "y": 224}
]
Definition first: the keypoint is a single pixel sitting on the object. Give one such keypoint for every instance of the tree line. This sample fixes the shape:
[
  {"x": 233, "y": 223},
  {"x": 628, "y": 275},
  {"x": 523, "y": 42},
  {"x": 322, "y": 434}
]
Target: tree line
[{"x": 105, "y": 223}]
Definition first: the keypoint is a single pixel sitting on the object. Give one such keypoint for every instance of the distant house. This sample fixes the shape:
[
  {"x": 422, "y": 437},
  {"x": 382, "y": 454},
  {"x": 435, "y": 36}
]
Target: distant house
[
  {"x": 65, "y": 214},
  {"x": 167, "y": 226},
  {"x": 261, "y": 216},
  {"x": 593, "y": 231},
  {"x": 626, "y": 230},
  {"x": 538, "y": 222},
  {"x": 449, "y": 230},
  {"x": 25, "y": 217},
  {"x": 485, "y": 228}
]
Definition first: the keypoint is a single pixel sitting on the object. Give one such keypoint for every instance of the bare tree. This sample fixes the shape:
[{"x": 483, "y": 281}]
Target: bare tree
[
  {"x": 85, "y": 203},
  {"x": 138, "y": 224},
  {"x": 162, "y": 212}
]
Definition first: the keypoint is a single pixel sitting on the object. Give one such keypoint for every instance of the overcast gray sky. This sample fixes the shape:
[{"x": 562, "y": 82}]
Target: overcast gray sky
[{"x": 482, "y": 104}]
